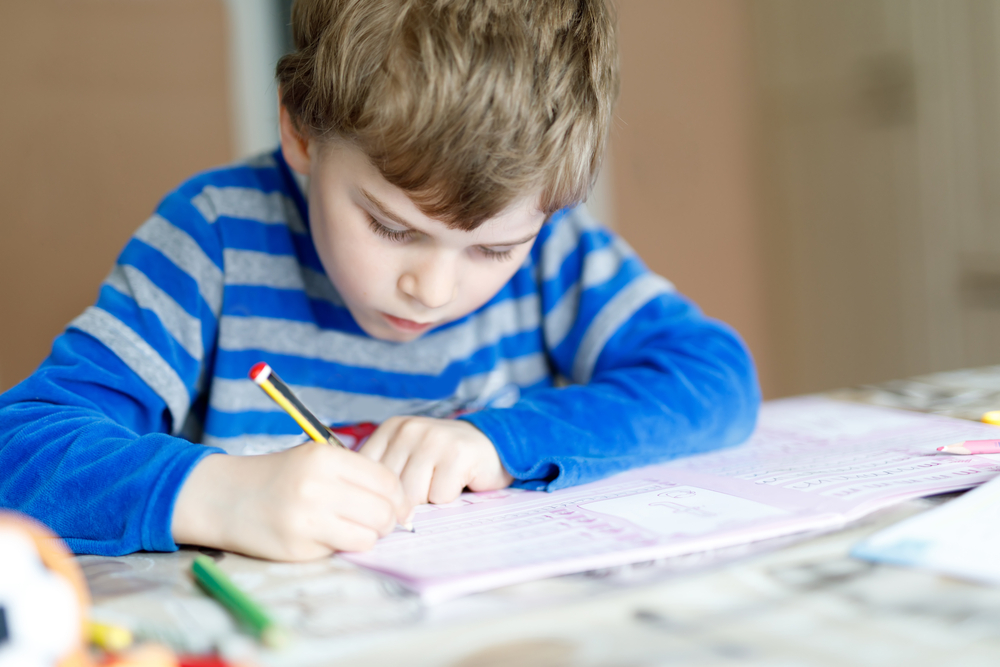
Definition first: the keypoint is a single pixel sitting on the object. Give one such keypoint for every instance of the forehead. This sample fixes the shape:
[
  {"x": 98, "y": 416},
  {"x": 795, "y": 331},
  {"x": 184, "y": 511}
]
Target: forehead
[{"x": 343, "y": 165}]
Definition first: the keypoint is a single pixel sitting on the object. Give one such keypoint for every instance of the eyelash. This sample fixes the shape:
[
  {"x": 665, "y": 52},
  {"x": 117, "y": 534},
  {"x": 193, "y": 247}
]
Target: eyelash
[
  {"x": 387, "y": 233},
  {"x": 393, "y": 235},
  {"x": 498, "y": 255}
]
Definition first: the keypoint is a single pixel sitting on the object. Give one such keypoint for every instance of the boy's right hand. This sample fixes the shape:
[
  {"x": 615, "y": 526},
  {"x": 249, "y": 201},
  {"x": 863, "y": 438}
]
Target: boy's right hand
[{"x": 299, "y": 504}]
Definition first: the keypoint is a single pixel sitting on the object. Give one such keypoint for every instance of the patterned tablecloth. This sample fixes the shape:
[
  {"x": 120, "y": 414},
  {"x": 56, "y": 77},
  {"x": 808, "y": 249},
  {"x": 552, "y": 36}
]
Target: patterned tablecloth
[{"x": 798, "y": 601}]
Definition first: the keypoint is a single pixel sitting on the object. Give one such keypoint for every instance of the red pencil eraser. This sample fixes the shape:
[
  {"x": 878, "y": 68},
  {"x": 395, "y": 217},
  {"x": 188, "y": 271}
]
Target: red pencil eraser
[
  {"x": 259, "y": 368},
  {"x": 940, "y": 449}
]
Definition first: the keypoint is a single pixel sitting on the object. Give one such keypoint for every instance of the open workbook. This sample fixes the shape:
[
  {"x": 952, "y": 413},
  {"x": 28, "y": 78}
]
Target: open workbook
[{"x": 812, "y": 464}]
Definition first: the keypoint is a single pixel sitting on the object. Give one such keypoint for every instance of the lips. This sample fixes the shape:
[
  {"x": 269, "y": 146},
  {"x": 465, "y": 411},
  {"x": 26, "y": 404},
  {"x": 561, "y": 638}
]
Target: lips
[{"x": 408, "y": 326}]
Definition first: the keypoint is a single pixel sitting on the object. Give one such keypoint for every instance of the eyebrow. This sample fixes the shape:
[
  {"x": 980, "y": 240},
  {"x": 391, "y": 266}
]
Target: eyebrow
[
  {"x": 388, "y": 214},
  {"x": 381, "y": 208}
]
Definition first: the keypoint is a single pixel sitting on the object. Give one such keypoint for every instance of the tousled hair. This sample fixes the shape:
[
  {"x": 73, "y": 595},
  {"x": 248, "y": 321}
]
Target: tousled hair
[{"x": 466, "y": 105}]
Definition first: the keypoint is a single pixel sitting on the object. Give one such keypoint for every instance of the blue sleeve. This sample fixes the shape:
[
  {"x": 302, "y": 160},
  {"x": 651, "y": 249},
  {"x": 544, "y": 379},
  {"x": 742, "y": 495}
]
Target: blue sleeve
[
  {"x": 89, "y": 443},
  {"x": 652, "y": 378}
]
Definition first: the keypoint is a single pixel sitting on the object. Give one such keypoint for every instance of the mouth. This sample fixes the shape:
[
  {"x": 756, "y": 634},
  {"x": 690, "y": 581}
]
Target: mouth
[{"x": 409, "y": 326}]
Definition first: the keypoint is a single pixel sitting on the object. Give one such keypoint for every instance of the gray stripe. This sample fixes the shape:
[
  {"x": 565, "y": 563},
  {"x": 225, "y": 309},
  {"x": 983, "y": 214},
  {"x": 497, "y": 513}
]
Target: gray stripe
[
  {"x": 611, "y": 317},
  {"x": 184, "y": 327},
  {"x": 329, "y": 405},
  {"x": 178, "y": 246},
  {"x": 599, "y": 267},
  {"x": 602, "y": 265},
  {"x": 429, "y": 355},
  {"x": 249, "y": 267},
  {"x": 140, "y": 357},
  {"x": 522, "y": 371},
  {"x": 506, "y": 318},
  {"x": 334, "y": 407},
  {"x": 248, "y": 204},
  {"x": 562, "y": 317},
  {"x": 252, "y": 445},
  {"x": 475, "y": 391},
  {"x": 564, "y": 240}
]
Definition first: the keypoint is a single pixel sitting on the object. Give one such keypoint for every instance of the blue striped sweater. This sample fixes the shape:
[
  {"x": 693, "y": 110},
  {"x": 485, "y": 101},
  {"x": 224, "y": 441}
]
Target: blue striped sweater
[{"x": 583, "y": 365}]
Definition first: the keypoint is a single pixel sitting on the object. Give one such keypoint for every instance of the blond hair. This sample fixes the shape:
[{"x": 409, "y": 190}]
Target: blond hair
[{"x": 466, "y": 105}]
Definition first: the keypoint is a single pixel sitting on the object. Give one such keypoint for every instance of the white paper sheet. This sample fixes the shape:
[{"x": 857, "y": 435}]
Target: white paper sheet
[
  {"x": 812, "y": 464},
  {"x": 960, "y": 538}
]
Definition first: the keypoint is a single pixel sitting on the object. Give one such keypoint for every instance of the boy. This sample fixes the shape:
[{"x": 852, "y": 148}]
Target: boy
[{"x": 412, "y": 254}]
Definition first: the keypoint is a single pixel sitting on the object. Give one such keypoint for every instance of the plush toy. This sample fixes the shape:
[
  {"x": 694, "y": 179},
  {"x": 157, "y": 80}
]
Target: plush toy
[
  {"x": 44, "y": 602},
  {"x": 43, "y": 598}
]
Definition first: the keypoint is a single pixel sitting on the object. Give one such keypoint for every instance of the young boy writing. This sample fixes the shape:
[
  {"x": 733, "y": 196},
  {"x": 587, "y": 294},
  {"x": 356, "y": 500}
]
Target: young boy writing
[{"x": 412, "y": 254}]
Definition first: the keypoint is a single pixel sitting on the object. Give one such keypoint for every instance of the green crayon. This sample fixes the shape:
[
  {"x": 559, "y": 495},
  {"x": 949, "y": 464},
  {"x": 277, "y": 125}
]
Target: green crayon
[{"x": 247, "y": 612}]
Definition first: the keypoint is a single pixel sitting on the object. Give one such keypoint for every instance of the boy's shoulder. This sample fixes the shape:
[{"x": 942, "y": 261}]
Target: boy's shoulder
[
  {"x": 259, "y": 189},
  {"x": 569, "y": 237}
]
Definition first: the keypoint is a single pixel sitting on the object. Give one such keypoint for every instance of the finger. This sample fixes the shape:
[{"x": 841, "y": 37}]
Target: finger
[
  {"x": 342, "y": 535},
  {"x": 363, "y": 507},
  {"x": 416, "y": 477},
  {"x": 397, "y": 455},
  {"x": 448, "y": 482},
  {"x": 353, "y": 468},
  {"x": 410, "y": 436},
  {"x": 378, "y": 441},
  {"x": 376, "y": 478}
]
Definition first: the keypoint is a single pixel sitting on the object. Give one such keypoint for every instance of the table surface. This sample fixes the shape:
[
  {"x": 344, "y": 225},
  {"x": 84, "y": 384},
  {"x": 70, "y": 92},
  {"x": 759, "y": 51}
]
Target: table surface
[{"x": 793, "y": 601}]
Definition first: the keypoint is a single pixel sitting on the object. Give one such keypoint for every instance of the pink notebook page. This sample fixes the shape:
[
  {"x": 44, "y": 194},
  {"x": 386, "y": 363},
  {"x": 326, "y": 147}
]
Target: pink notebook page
[{"x": 812, "y": 463}]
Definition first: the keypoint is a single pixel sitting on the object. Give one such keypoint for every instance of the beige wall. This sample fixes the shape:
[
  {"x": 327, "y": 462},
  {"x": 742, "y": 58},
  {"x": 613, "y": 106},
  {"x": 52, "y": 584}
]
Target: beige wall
[
  {"x": 107, "y": 104},
  {"x": 684, "y": 157},
  {"x": 882, "y": 128}
]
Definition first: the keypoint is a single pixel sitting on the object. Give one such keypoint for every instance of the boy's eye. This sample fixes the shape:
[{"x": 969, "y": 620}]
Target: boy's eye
[
  {"x": 386, "y": 233},
  {"x": 499, "y": 255}
]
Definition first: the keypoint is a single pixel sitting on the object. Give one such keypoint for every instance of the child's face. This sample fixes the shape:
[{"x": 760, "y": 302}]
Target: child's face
[{"x": 400, "y": 272}]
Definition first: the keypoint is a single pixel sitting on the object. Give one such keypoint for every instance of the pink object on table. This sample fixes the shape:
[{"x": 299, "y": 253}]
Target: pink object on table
[{"x": 972, "y": 447}]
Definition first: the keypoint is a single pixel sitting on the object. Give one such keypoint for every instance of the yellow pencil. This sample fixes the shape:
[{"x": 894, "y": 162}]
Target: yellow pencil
[
  {"x": 268, "y": 380},
  {"x": 265, "y": 378}
]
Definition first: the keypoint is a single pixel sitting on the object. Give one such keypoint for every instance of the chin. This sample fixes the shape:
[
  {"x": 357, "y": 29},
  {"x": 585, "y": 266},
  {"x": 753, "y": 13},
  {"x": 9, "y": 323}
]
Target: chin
[
  {"x": 387, "y": 333},
  {"x": 399, "y": 336}
]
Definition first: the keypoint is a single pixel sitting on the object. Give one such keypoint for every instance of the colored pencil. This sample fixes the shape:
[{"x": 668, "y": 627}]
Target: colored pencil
[
  {"x": 215, "y": 582},
  {"x": 972, "y": 447},
  {"x": 265, "y": 378}
]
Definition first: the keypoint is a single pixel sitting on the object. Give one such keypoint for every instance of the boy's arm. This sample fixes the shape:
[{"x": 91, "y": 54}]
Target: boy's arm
[
  {"x": 87, "y": 443},
  {"x": 73, "y": 456},
  {"x": 654, "y": 378},
  {"x": 70, "y": 461}
]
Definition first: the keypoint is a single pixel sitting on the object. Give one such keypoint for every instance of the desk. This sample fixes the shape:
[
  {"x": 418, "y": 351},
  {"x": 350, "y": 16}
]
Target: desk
[{"x": 797, "y": 600}]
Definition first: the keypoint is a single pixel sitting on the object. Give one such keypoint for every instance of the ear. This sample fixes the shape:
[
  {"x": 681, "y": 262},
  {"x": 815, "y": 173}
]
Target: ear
[{"x": 294, "y": 145}]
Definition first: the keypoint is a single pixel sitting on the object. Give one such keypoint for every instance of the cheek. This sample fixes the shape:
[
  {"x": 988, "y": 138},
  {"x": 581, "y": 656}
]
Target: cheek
[
  {"x": 354, "y": 264},
  {"x": 487, "y": 279}
]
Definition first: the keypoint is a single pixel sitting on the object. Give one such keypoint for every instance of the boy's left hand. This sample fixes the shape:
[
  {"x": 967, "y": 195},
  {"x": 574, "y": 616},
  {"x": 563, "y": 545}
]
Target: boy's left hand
[{"x": 436, "y": 458}]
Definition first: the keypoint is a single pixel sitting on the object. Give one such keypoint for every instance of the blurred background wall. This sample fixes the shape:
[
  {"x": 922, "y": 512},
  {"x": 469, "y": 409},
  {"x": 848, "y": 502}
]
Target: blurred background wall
[
  {"x": 880, "y": 159},
  {"x": 106, "y": 105},
  {"x": 818, "y": 173}
]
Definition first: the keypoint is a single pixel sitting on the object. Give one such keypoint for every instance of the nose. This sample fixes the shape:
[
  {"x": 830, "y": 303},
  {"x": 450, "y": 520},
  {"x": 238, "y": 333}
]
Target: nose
[{"x": 432, "y": 282}]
